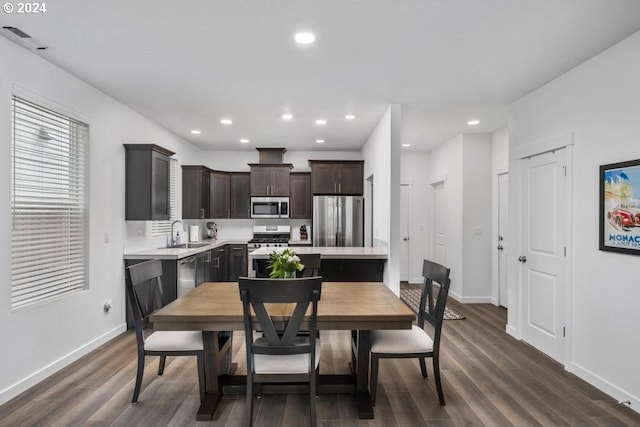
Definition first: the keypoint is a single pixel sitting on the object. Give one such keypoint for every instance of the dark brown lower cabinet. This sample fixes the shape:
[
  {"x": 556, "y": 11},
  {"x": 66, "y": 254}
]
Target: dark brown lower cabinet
[
  {"x": 237, "y": 261},
  {"x": 338, "y": 270}
]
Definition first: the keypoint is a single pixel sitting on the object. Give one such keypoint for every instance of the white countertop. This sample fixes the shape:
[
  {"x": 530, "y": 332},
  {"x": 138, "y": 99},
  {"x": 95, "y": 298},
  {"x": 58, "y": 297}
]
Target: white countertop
[
  {"x": 300, "y": 242},
  {"x": 347, "y": 252},
  {"x": 179, "y": 253}
]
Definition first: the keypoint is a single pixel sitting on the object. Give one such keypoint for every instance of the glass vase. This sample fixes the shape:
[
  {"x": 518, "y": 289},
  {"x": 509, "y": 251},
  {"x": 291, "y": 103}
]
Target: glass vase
[{"x": 289, "y": 274}]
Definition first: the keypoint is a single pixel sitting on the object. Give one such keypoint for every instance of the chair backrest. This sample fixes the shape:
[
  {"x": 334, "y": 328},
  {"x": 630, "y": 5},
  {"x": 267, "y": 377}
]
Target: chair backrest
[
  {"x": 311, "y": 264},
  {"x": 432, "y": 307},
  {"x": 144, "y": 288},
  {"x": 255, "y": 293}
]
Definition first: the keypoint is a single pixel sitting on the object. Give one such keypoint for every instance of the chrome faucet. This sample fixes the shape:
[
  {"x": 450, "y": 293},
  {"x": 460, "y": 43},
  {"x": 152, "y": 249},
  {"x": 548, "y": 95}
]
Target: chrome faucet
[{"x": 173, "y": 240}]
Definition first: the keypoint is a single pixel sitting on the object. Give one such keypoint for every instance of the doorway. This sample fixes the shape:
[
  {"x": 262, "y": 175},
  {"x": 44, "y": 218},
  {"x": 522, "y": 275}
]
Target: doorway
[
  {"x": 405, "y": 227},
  {"x": 503, "y": 241},
  {"x": 543, "y": 257},
  {"x": 439, "y": 224}
]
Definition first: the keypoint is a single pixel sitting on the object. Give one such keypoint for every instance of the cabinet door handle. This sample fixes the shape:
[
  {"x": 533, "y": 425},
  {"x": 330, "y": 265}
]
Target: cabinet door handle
[
  {"x": 335, "y": 187},
  {"x": 229, "y": 213},
  {"x": 339, "y": 187},
  {"x": 202, "y": 213}
]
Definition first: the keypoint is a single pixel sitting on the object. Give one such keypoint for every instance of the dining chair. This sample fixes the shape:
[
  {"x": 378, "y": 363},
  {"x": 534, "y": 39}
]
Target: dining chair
[
  {"x": 144, "y": 288},
  {"x": 279, "y": 354},
  {"x": 311, "y": 264},
  {"x": 416, "y": 342}
]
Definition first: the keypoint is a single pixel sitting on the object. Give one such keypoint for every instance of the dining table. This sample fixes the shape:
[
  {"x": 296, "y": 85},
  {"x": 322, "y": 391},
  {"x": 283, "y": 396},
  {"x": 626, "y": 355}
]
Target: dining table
[{"x": 215, "y": 308}]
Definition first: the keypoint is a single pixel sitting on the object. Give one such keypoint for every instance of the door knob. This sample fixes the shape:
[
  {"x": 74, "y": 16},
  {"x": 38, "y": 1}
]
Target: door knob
[
  {"x": 500, "y": 247},
  {"x": 406, "y": 239},
  {"x": 522, "y": 259}
]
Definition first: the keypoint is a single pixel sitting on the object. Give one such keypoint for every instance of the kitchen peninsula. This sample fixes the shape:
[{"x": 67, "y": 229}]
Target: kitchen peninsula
[{"x": 345, "y": 263}]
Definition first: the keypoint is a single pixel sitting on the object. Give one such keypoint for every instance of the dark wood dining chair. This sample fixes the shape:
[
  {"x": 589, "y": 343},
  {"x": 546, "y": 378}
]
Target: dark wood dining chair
[
  {"x": 144, "y": 288},
  {"x": 416, "y": 342},
  {"x": 280, "y": 354},
  {"x": 311, "y": 264}
]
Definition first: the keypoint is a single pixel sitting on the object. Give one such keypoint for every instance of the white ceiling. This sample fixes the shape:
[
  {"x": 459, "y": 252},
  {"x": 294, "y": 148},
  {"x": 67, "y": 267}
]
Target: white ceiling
[{"x": 186, "y": 64}]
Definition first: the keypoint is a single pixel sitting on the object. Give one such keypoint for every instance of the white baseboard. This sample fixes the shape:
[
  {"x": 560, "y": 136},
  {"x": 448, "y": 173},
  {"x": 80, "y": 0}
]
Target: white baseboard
[
  {"x": 600, "y": 383},
  {"x": 512, "y": 331},
  {"x": 455, "y": 296},
  {"x": 470, "y": 300},
  {"x": 33, "y": 379}
]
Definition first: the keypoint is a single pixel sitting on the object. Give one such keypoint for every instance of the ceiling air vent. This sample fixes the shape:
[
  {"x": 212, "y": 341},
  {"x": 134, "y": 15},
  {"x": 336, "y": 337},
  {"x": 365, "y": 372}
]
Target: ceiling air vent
[{"x": 22, "y": 38}]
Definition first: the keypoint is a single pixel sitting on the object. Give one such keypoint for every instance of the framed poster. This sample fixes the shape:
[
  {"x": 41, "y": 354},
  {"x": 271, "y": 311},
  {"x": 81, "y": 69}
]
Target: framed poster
[{"x": 620, "y": 207}]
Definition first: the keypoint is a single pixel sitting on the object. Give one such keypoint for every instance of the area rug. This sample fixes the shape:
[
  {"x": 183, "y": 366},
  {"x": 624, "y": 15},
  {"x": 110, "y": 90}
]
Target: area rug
[{"x": 410, "y": 294}]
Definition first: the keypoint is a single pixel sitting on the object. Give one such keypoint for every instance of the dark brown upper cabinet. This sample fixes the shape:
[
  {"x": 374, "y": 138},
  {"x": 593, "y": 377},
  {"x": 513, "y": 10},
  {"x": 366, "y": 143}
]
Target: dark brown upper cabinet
[
  {"x": 219, "y": 194},
  {"x": 337, "y": 177},
  {"x": 300, "y": 197},
  {"x": 270, "y": 179},
  {"x": 196, "y": 184},
  {"x": 239, "y": 195},
  {"x": 147, "y": 175}
]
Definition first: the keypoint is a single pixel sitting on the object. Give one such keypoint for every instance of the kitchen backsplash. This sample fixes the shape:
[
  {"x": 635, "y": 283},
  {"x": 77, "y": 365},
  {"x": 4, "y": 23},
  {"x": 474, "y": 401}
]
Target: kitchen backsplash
[{"x": 138, "y": 233}]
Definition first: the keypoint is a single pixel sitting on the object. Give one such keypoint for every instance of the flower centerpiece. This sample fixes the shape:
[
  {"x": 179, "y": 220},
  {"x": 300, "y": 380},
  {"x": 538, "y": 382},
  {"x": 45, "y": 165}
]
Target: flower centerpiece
[{"x": 284, "y": 263}]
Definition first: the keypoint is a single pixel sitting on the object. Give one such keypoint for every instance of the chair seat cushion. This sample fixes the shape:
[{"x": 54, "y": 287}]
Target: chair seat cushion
[
  {"x": 285, "y": 364},
  {"x": 414, "y": 340},
  {"x": 174, "y": 341}
]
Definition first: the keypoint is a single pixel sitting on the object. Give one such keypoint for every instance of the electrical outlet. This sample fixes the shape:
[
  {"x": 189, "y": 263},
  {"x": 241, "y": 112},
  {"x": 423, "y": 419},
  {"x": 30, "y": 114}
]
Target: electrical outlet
[
  {"x": 106, "y": 237},
  {"x": 140, "y": 232}
]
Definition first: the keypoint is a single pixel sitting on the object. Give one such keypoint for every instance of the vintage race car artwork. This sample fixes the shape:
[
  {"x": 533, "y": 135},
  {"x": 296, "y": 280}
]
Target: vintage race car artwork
[
  {"x": 619, "y": 207},
  {"x": 625, "y": 215}
]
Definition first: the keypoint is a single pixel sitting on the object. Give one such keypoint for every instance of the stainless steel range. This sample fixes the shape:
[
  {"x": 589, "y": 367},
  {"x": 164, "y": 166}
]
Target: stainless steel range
[{"x": 270, "y": 236}]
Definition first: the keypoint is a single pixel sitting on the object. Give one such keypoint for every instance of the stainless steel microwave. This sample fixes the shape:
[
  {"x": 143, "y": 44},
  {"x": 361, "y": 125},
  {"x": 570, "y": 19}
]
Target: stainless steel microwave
[{"x": 269, "y": 207}]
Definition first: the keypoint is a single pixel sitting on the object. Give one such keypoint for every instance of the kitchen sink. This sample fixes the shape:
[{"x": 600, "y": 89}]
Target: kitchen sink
[{"x": 186, "y": 246}]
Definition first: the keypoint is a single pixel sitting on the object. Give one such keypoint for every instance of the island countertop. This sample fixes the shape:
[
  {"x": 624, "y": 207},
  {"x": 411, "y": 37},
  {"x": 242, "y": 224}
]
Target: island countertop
[{"x": 326, "y": 252}]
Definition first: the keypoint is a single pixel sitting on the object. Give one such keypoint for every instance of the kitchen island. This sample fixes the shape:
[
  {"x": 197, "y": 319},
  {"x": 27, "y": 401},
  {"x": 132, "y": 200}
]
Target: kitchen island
[{"x": 346, "y": 264}]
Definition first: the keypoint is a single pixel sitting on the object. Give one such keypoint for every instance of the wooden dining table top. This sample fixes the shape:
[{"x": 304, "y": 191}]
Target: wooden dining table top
[{"x": 216, "y": 306}]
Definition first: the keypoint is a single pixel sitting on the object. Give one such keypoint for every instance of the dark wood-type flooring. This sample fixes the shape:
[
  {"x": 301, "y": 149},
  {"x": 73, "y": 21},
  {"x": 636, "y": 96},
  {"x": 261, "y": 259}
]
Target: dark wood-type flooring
[{"x": 489, "y": 379}]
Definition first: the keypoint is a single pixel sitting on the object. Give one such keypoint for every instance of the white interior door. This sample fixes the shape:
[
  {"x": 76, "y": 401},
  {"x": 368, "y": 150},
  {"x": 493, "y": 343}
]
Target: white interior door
[
  {"x": 503, "y": 241},
  {"x": 543, "y": 256},
  {"x": 439, "y": 224},
  {"x": 405, "y": 210}
]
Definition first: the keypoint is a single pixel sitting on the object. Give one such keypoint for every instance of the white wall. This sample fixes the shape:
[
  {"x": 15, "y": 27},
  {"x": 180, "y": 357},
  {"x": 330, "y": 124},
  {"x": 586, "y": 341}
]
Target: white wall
[
  {"x": 415, "y": 173},
  {"x": 236, "y": 161},
  {"x": 476, "y": 218},
  {"x": 499, "y": 165},
  {"x": 599, "y": 102},
  {"x": 381, "y": 154},
  {"x": 38, "y": 341}
]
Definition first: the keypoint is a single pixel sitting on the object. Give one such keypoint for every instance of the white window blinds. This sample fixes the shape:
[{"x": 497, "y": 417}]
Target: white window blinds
[
  {"x": 162, "y": 228},
  {"x": 49, "y": 204}
]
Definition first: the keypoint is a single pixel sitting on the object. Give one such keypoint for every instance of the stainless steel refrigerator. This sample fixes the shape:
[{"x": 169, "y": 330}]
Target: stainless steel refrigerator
[{"x": 338, "y": 221}]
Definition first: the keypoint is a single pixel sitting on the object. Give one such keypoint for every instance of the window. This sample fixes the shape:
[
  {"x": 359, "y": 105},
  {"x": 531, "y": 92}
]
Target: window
[
  {"x": 163, "y": 228},
  {"x": 49, "y": 204}
]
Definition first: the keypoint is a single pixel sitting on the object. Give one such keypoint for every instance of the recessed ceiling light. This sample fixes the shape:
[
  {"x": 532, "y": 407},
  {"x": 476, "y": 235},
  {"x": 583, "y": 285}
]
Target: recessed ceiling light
[
  {"x": 287, "y": 116},
  {"x": 321, "y": 122},
  {"x": 349, "y": 117},
  {"x": 406, "y": 145},
  {"x": 320, "y": 141},
  {"x": 244, "y": 141},
  {"x": 304, "y": 38},
  {"x": 226, "y": 121},
  {"x": 196, "y": 132},
  {"x": 473, "y": 122}
]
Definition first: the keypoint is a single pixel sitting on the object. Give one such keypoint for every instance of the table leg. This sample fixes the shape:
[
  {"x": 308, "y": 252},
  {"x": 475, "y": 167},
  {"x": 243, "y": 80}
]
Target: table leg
[
  {"x": 363, "y": 398},
  {"x": 213, "y": 392}
]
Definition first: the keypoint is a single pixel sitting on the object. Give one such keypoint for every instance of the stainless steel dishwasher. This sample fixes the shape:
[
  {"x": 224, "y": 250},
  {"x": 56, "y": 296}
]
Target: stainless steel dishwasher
[
  {"x": 193, "y": 271},
  {"x": 186, "y": 275}
]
